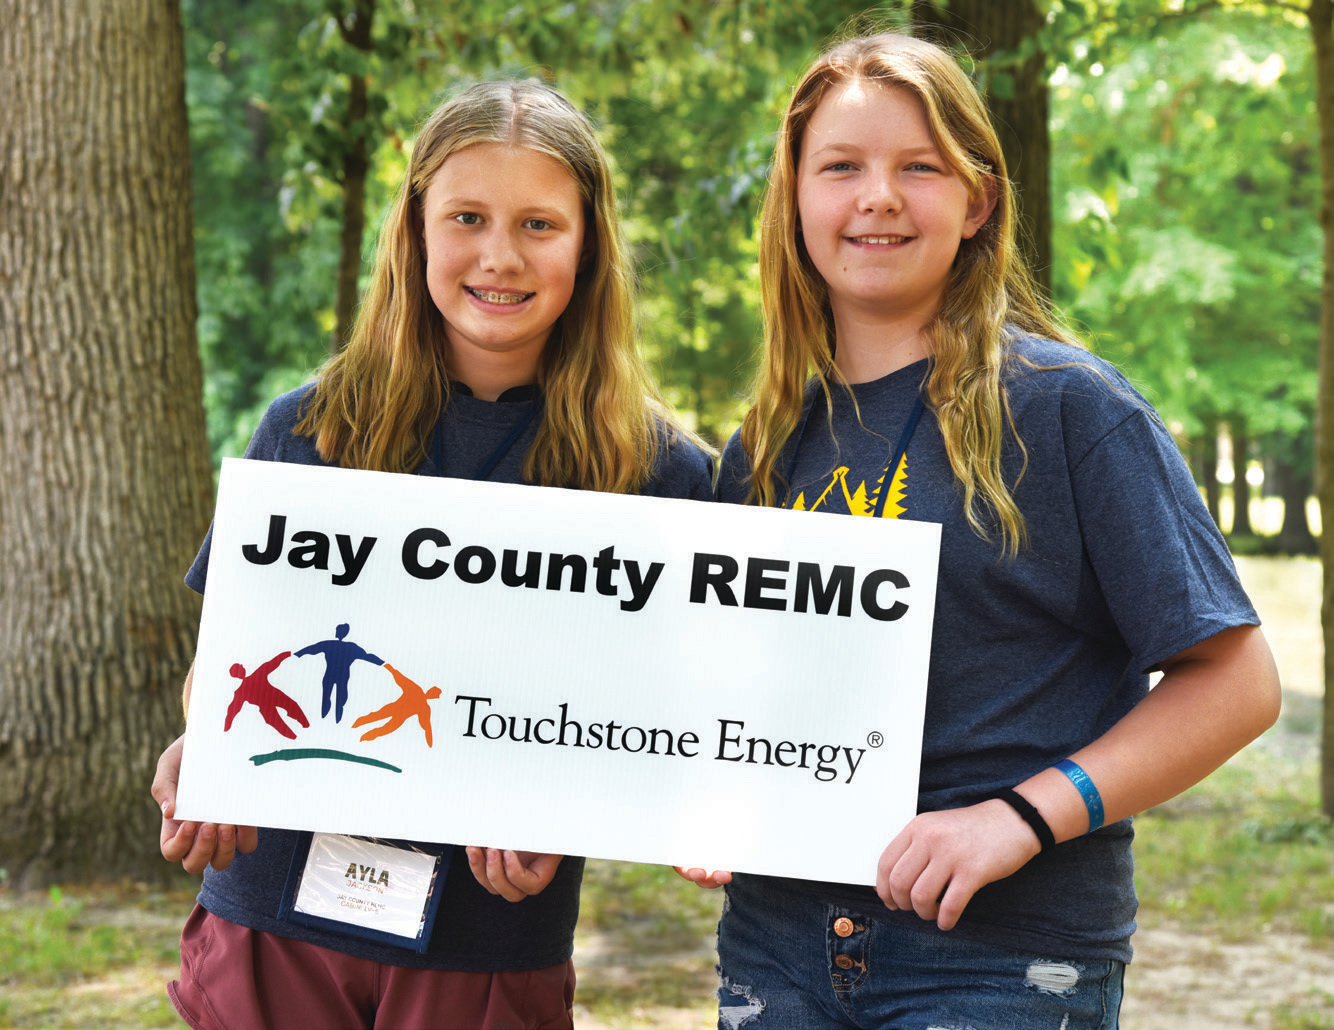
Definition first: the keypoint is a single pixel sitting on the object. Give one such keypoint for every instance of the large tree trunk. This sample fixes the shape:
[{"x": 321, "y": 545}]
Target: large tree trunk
[
  {"x": 1018, "y": 98},
  {"x": 107, "y": 482},
  {"x": 1322, "y": 27}
]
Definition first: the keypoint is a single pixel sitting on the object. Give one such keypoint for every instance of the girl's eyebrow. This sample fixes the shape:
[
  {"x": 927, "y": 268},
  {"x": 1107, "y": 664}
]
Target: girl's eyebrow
[
  {"x": 854, "y": 148},
  {"x": 460, "y": 202}
]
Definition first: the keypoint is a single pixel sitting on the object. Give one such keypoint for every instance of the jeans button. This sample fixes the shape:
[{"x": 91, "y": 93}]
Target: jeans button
[
  {"x": 843, "y": 962},
  {"x": 843, "y": 927}
]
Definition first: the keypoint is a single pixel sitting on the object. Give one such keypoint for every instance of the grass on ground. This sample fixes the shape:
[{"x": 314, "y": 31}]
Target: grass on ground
[{"x": 1244, "y": 852}]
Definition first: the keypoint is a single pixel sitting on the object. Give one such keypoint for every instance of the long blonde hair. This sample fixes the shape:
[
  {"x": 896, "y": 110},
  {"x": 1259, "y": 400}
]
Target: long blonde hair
[
  {"x": 375, "y": 403},
  {"x": 989, "y": 288}
]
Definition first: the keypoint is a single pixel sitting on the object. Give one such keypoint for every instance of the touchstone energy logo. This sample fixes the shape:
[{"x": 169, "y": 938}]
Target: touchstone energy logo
[
  {"x": 351, "y": 672},
  {"x": 724, "y": 742}
]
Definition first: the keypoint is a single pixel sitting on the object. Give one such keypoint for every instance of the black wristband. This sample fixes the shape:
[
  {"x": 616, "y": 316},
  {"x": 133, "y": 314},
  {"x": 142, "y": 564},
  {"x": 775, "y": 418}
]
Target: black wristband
[{"x": 1028, "y": 813}]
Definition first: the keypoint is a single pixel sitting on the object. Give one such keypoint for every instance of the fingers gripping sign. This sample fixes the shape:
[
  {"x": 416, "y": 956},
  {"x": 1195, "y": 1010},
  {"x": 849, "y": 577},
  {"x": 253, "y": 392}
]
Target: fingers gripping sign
[
  {"x": 704, "y": 878},
  {"x": 514, "y": 875},
  {"x": 941, "y": 859},
  {"x": 195, "y": 845}
]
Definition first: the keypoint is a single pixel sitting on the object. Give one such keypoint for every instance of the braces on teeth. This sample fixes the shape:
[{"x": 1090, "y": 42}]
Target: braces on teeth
[{"x": 499, "y": 298}]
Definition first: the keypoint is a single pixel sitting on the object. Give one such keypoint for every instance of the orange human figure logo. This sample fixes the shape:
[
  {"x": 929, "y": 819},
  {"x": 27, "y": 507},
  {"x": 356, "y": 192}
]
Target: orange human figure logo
[
  {"x": 414, "y": 701},
  {"x": 257, "y": 689}
]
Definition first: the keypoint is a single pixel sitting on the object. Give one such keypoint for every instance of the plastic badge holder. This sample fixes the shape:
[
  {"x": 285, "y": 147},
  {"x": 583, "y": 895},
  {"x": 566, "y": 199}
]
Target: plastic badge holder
[{"x": 365, "y": 887}]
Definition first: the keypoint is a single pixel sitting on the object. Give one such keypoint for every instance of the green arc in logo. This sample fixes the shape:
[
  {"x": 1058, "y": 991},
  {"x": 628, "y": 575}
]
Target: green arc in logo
[{"x": 297, "y": 753}]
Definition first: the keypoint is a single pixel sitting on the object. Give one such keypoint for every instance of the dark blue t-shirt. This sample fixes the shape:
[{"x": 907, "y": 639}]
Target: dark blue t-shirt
[
  {"x": 1033, "y": 657},
  {"x": 474, "y": 930}
]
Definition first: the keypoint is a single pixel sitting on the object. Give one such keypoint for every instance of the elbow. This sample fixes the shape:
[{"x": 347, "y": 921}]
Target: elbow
[
  {"x": 1266, "y": 691},
  {"x": 1272, "y": 700}
]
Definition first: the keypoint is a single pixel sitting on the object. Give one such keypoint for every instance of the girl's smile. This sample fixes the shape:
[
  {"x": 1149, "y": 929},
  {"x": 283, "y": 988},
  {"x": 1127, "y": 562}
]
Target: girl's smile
[
  {"x": 498, "y": 297},
  {"x": 504, "y": 235}
]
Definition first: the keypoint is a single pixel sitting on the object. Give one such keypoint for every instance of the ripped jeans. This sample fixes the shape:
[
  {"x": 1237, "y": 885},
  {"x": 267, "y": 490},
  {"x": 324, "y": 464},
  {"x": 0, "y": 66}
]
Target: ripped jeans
[{"x": 789, "y": 961}]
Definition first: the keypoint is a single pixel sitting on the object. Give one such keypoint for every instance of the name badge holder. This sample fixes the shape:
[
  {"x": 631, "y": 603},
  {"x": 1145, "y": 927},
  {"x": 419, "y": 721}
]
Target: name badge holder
[{"x": 366, "y": 887}]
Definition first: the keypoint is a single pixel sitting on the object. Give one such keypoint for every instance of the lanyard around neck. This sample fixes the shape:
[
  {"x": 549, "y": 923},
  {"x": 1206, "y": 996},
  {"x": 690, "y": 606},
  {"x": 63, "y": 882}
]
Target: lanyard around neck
[
  {"x": 900, "y": 450},
  {"x": 488, "y": 464}
]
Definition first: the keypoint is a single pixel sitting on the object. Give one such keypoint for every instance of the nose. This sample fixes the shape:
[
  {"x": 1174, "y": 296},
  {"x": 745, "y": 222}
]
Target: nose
[
  {"x": 881, "y": 192},
  {"x": 500, "y": 252}
]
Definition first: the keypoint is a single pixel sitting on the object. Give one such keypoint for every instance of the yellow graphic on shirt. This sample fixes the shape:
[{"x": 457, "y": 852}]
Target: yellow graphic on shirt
[{"x": 859, "y": 501}]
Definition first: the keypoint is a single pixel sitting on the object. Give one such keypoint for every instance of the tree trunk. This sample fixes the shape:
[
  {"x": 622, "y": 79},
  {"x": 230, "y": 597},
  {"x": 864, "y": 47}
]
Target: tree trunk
[
  {"x": 1241, "y": 486},
  {"x": 356, "y": 31},
  {"x": 1017, "y": 95},
  {"x": 1322, "y": 33},
  {"x": 1209, "y": 472},
  {"x": 103, "y": 454},
  {"x": 1292, "y": 482}
]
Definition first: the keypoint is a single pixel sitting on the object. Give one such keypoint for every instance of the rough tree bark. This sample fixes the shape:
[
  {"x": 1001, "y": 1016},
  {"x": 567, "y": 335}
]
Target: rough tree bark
[
  {"x": 1020, "y": 110},
  {"x": 107, "y": 481},
  {"x": 1322, "y": 33}
]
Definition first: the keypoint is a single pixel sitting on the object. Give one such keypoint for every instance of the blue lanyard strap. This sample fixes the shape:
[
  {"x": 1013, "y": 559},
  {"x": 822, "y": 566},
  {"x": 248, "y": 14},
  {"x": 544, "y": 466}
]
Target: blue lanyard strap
[
  {"x": 905, "y": 437},
  {"x": 488, "y": 466},
  {"x": 900, "y": 450}
]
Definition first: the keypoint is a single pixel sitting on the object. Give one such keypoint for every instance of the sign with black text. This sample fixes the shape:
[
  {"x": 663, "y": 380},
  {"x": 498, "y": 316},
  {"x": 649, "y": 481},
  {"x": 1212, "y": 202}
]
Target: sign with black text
[{"x": 557, "y": 670}]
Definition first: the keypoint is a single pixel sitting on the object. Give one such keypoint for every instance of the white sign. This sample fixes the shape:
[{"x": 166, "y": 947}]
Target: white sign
[{"x": 555, "y": 670}]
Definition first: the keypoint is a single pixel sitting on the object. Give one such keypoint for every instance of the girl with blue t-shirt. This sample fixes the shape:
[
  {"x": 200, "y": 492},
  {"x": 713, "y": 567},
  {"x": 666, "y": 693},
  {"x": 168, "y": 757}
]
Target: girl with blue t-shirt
[
  {"x": 911, "y": 371},
  {"x": 496, "y": 341}
]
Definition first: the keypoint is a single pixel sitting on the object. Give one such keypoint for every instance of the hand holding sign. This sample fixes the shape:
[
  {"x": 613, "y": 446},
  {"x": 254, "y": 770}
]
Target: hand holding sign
[
  {"x": 703, "y": 878},
  {"x": 514, "y": 875},
  {"x": 195, "y": 845}
]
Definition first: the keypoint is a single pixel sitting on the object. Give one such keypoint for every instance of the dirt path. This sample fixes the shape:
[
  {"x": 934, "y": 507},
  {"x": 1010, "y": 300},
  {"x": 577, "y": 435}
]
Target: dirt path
[{"x": 1185, "y": 981}]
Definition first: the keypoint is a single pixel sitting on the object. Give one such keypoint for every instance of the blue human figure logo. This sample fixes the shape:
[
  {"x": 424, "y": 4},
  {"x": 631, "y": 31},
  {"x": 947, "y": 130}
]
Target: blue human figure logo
[{"x": 339, "y": 654}]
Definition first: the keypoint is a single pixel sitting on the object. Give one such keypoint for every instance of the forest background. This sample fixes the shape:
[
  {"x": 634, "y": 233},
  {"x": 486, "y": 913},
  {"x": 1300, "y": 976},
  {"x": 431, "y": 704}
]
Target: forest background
[{"x": 189, "y": 191}]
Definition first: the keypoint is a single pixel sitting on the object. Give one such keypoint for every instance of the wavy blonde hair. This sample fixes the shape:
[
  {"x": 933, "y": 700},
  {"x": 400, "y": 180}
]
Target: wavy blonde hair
[
  {"x": 989, "y": 291},
  {"x": 376, "y": 402}
]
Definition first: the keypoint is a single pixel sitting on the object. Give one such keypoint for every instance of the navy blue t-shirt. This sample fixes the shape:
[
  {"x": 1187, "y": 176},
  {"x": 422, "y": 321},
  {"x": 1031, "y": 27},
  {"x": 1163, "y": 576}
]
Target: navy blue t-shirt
[
  {"x": 474, "y": 930},
  {"x": 1036, "y": 656}
]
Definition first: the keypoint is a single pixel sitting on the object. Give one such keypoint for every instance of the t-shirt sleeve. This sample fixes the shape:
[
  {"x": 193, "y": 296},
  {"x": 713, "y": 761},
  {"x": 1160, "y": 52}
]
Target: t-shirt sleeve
[
  {"x": 734, "y": 473},
  {"x": 266, "y": 444},
  {"x": 683, "y": 469},
  {"x": 1161, "y": 563}
]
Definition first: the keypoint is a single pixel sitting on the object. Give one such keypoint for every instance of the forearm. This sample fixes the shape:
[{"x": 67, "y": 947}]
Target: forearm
[
  {"x": 185, "y": 690},
  {"x": 1213, "y": 699}
]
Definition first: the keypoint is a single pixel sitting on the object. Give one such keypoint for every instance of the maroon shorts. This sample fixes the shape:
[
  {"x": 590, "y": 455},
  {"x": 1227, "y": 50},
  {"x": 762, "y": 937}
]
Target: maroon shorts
[{"x": 234, "y": 978}]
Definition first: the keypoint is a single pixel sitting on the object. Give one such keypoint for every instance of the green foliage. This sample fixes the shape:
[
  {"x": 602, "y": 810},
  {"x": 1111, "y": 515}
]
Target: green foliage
[
  {"x": 1184, "y": 164},
  {"x": 1184, "y": 178}
]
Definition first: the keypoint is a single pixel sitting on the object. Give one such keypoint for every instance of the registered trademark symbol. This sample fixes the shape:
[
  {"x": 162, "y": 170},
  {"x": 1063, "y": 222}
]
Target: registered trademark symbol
[{"x": 875, "y": 738}]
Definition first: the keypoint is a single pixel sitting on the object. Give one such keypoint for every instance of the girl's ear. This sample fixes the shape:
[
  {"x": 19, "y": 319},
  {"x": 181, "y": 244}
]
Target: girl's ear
[{"x": 979, "y": 209}]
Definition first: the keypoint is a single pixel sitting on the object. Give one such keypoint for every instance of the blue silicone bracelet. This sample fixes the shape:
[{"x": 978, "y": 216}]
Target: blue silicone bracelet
[{"x": 1087, "y": 790}]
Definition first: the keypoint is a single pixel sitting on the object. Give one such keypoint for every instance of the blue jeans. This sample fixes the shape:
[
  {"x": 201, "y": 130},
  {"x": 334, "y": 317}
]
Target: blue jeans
[{"x": 789, "y": 961}]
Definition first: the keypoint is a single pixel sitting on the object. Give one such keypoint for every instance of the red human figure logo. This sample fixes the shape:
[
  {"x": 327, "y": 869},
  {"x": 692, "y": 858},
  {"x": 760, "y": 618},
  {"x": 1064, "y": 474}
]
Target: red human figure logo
[
  {"x": 413, "y": 701},
  {"x": 257, "y": 689}
]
